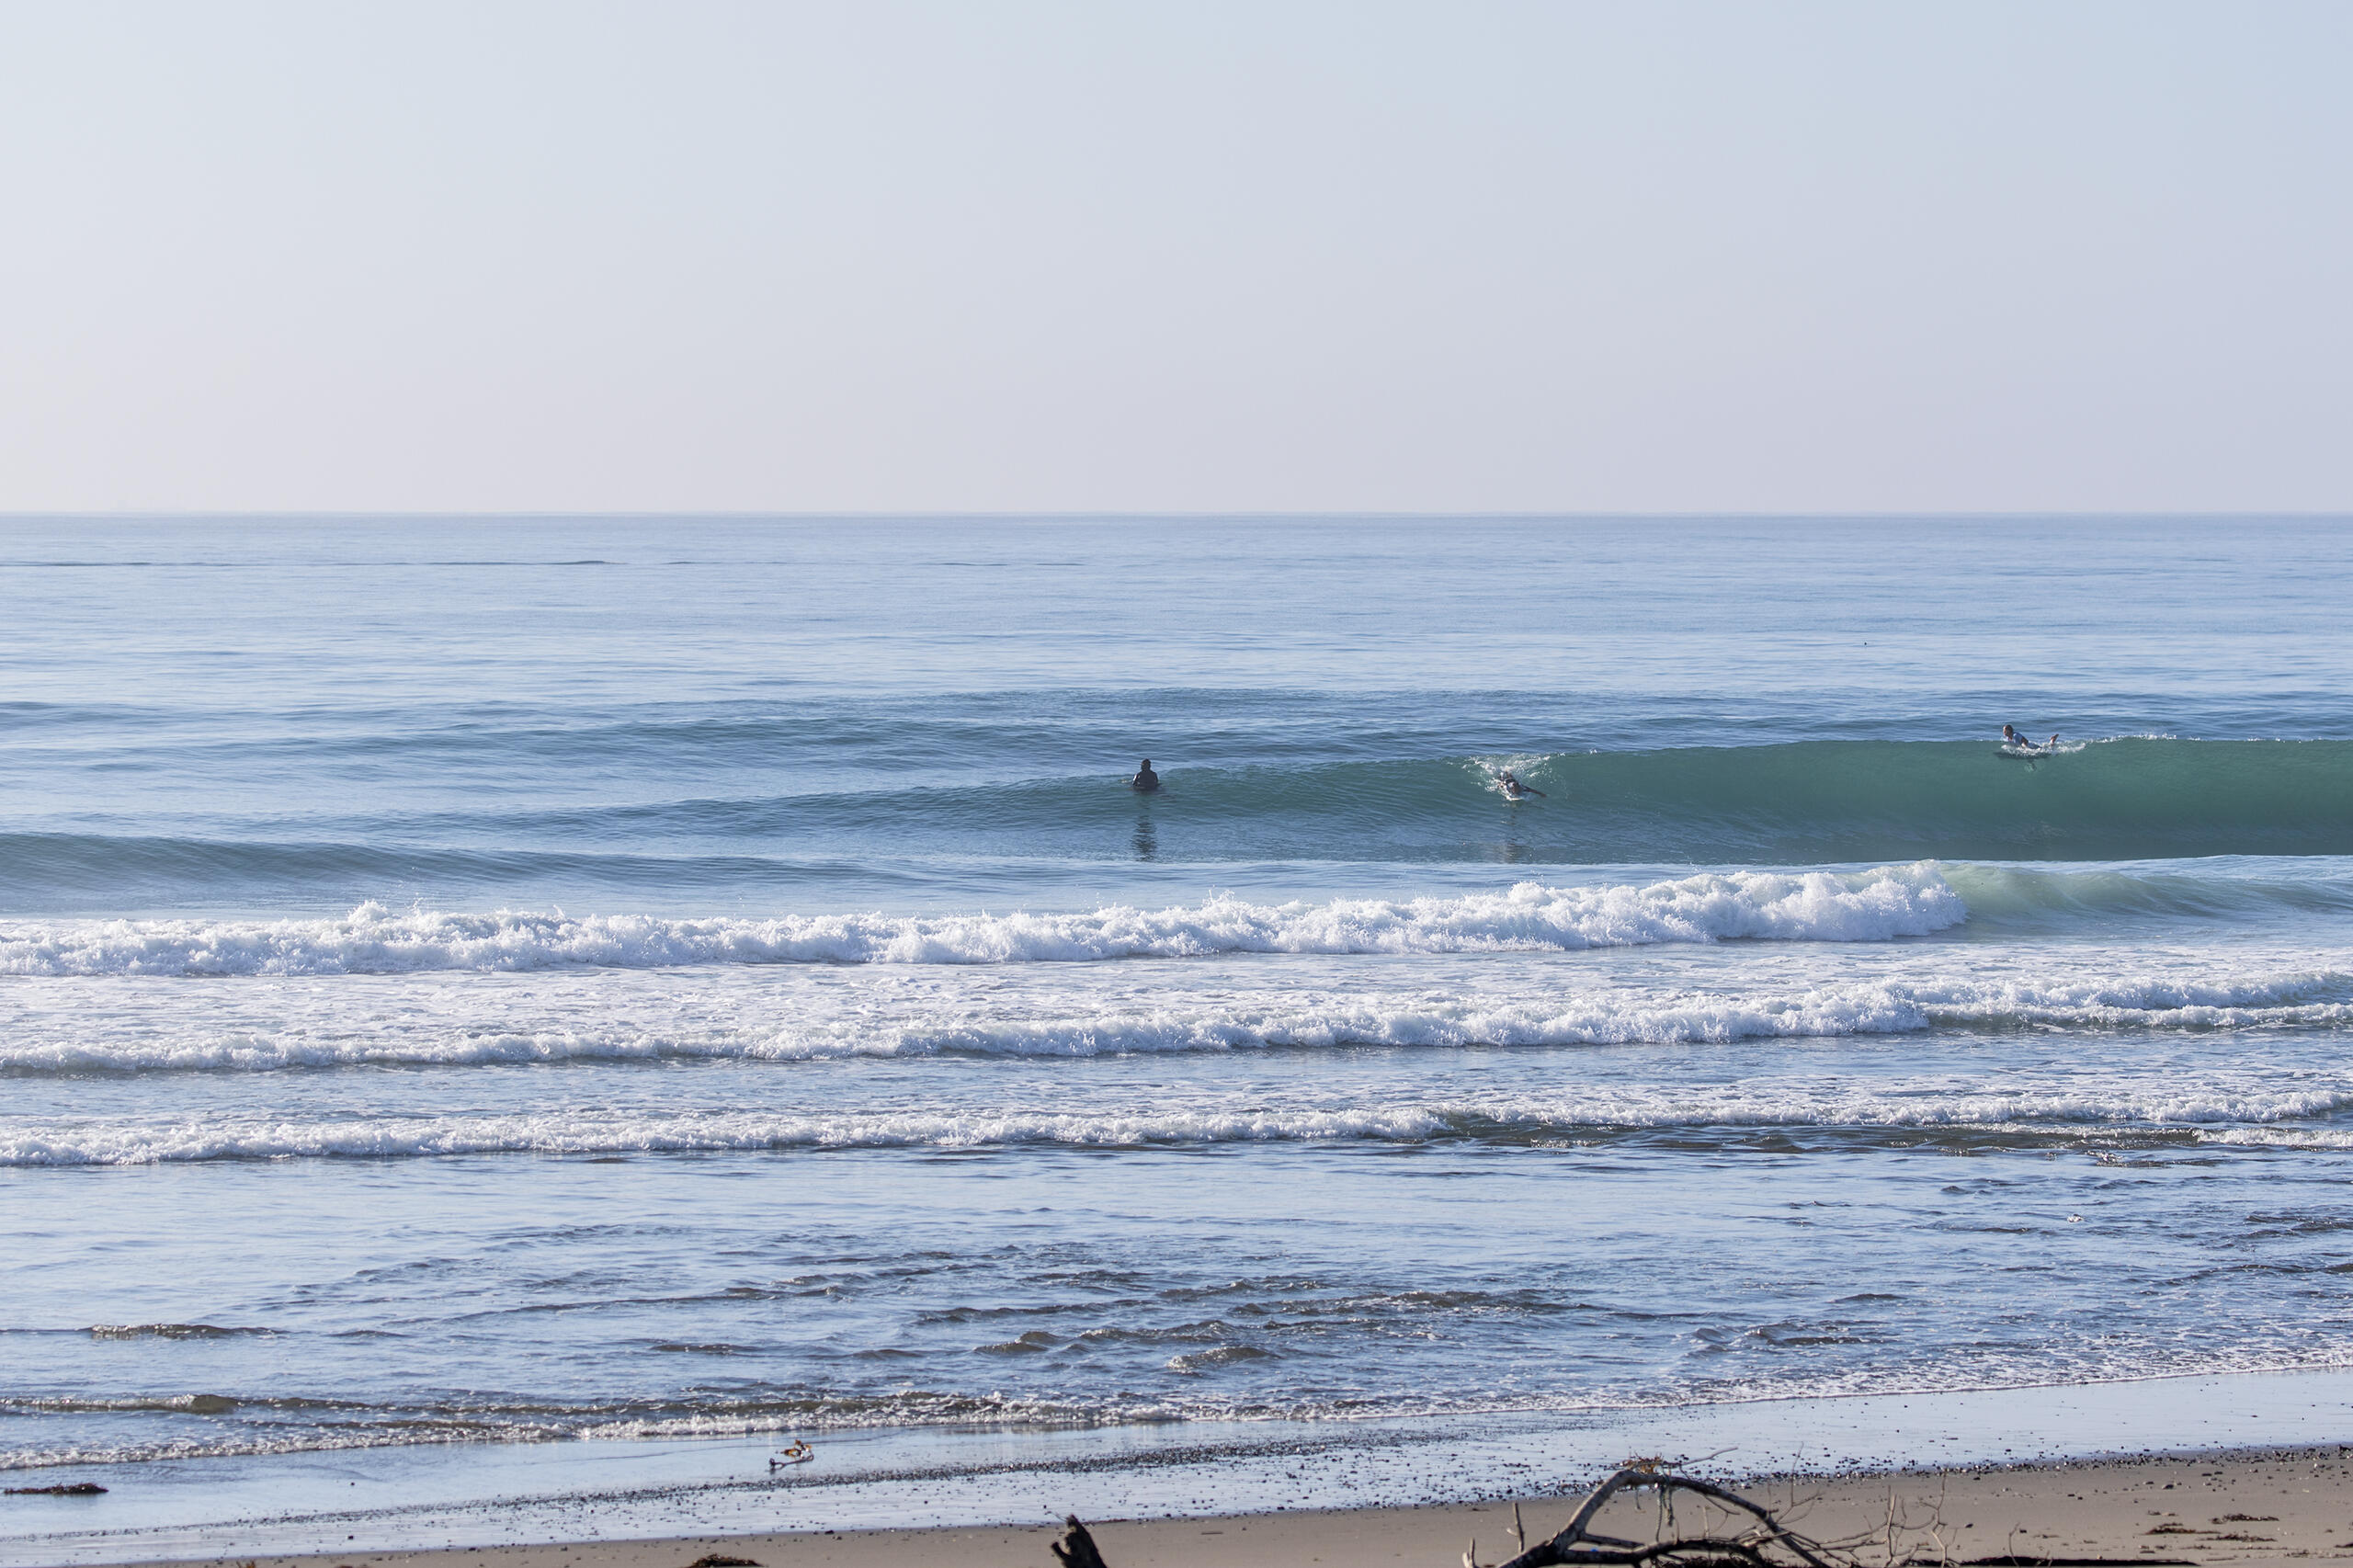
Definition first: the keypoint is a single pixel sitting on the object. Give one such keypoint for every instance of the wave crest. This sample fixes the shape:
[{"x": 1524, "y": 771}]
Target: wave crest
[
  {"x": 2310, "y": 998},
  {"x": 1874, "y": 906}
]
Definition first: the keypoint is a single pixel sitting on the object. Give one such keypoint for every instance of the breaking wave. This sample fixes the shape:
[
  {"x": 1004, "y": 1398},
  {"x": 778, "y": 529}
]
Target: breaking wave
[
  {"x": 1827, "y": 802},
  {"x": 1820, "y": 907},
  {"x": 2307, "y": 999}
]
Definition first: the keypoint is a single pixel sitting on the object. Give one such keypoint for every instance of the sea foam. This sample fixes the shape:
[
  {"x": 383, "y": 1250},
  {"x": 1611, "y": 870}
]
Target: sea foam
[
  {"x": 355, "y": 1032},
  {"x": 1820, "y": 907},
  {"x": 2197, "y": 1109}
]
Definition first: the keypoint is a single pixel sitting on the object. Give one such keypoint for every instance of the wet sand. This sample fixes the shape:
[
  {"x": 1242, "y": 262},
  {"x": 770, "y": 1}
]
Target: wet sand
[{"x": 2235, "y": 1508}]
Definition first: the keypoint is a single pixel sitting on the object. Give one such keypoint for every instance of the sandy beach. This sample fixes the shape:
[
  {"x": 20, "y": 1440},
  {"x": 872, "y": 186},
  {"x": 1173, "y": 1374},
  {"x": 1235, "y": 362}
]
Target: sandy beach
[{"x": 2241, "y": 1508}]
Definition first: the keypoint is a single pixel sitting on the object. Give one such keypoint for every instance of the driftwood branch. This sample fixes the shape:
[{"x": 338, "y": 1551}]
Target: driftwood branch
[{"x": 1766, "y": 1543}]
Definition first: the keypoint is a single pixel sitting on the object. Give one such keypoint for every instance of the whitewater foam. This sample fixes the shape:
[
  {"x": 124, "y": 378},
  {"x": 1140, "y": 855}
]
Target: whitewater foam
[
  {"x": 1804, "y": 906},
  {"x": 331, "y": 1024},
  {"x": 2226, "y": 1110}
]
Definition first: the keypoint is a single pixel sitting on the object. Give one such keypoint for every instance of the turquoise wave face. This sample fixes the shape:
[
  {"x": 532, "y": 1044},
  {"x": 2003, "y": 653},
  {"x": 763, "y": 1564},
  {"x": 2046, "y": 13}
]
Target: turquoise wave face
[
  {"x": 1827, "y": 802},
  {"x": 1834, "y": 801},
  {"x": 1840, "y": 800}
]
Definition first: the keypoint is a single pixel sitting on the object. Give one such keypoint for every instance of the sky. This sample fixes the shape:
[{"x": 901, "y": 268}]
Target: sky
[{"x": 1099, "y": 255}]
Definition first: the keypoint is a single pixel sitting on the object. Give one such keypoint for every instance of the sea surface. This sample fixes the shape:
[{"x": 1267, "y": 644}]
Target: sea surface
[{"x": 499, "y": 979}]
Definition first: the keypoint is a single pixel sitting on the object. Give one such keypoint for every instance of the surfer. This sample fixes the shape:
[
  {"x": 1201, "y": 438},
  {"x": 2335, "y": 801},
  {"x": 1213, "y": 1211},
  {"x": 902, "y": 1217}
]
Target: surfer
[
  {"x": 1146, "y": 780},
  {"x": 1513, "y": 788},
  {"x": 2010, "y": 737}
]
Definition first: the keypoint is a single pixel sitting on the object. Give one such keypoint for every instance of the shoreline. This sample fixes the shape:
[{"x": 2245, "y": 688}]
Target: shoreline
[
  {"x": 581, "y": 1501},
  {"x": 2240, "y": 1506}
]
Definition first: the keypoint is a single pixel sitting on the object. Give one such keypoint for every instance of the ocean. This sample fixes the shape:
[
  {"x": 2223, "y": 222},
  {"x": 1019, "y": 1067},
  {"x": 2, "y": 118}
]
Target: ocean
[{"x": 493, "y": 991}]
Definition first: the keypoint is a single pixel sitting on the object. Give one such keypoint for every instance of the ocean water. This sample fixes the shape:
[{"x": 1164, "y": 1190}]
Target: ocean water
[{"x": 528, "y": 981}]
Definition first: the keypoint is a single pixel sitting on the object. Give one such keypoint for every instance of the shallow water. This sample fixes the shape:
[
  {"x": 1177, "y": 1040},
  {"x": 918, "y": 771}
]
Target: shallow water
[{"x": 647, "y": 978}]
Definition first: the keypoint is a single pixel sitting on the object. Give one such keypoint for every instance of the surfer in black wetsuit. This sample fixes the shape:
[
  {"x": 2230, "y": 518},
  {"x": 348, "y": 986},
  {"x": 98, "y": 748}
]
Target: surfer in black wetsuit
[
  {"x": 1513, "y": 788},
  {"x": 1146, "y": 780}
]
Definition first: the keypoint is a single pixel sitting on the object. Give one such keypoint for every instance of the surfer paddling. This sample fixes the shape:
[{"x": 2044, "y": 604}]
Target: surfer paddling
[
  {"x": 1146, "y": 780},
  {"x": 2010, "y": 737},
  {"x": 1513, "y": 789}
]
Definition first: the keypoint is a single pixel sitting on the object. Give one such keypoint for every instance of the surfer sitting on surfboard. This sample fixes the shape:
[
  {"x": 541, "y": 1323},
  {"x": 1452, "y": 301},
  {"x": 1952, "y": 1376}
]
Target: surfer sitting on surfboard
[
  {"x": 1513, "y": 788},
  {"x": 1146, "y": 780}
]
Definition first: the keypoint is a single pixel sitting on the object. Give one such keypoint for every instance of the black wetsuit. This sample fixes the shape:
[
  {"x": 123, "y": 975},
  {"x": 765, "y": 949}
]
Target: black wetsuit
[{"x": 1145, "y": 783}]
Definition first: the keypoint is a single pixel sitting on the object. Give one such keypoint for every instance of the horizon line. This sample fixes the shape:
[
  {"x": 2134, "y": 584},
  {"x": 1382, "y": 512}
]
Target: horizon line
[{"x": 749, "y": 515}]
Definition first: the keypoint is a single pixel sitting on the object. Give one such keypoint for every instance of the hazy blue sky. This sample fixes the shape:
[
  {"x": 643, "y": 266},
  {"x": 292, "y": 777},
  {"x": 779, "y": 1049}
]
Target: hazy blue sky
[{"x": 1174, "y": 256}]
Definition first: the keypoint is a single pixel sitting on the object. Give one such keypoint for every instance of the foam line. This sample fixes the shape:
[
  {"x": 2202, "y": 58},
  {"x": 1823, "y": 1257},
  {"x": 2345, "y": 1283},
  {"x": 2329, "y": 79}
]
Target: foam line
[
  {"x": 1808, "y": 906},
  {"x": 2216, "y": 1112},
  {"x": 2298, "y": 998}
]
